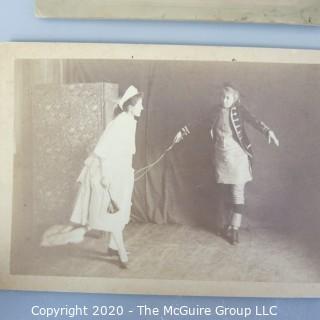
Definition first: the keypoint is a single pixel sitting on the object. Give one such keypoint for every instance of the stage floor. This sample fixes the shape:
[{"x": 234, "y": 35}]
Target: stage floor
[{"x": 177, "y": 252}]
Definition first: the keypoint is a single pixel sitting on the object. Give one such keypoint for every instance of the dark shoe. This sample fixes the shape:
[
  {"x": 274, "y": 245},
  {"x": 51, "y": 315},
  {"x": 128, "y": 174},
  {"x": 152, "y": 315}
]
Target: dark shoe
[{"x": 223, "y": 231}]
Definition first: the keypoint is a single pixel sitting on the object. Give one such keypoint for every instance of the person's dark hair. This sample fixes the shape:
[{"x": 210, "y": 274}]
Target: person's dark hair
[
  {"x": 132, "y": 101},
  {"x": 117, "y": 111}
]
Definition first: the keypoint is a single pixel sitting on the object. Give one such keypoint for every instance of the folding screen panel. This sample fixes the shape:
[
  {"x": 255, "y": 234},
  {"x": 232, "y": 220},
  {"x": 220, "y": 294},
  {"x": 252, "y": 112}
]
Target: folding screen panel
[{"x": 67, "y": 121}]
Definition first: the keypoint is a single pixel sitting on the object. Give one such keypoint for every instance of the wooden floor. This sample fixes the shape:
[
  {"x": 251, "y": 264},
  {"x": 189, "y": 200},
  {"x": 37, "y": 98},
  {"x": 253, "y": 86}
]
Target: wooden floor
[{"x": 183, "y": 252}]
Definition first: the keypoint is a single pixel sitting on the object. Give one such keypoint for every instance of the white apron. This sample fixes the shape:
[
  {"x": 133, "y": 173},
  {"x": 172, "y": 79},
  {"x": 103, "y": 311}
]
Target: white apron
[{"x": 113, "y": 156}]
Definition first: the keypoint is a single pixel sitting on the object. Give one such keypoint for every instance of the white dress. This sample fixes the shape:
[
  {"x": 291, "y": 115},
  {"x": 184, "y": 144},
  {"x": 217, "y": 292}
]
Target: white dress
[{"x": 113, "y": 156}]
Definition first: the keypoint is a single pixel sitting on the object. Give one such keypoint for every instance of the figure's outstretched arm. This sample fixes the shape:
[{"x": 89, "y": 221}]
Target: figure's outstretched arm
[
  {"x": 203, "y": 120},
  {"x": 260, "y": 126},
  {"x": 272, "y": 138},
  {"x": 181, "y": 134}
]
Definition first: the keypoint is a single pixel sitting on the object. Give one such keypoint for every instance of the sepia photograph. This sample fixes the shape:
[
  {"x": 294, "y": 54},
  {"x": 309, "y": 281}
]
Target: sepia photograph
[
  {"x": 305, "y": 12},
  {"x": 160, "y": 169}
]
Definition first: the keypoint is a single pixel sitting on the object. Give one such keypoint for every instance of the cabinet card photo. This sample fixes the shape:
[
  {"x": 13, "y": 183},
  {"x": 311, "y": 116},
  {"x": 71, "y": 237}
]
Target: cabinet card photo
[
  {"x": 255, "y": 11},
  {"x": 153, "y": 169}
]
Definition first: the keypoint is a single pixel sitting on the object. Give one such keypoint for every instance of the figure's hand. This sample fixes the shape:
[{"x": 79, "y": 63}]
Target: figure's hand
[
  {"x": 178, "y": 137},
  {"x": 113, "y": 207},
  {"x": 182, "y": 133},
  {"x": 104, "y": 182},
  {"x": 272, "y": 138},
  {"x": 211, "y": 134}
]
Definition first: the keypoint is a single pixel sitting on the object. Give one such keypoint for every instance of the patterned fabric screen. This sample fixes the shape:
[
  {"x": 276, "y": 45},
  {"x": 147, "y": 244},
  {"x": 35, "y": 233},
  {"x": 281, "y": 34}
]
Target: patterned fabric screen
[{"x": 67, "y": 121}]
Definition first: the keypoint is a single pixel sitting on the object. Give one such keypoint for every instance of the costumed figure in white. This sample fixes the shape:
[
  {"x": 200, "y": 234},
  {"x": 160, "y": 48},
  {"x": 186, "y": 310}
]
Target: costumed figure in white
[
  {"x": 232, "y": 154},
  {"x": 106, "y": 181}
]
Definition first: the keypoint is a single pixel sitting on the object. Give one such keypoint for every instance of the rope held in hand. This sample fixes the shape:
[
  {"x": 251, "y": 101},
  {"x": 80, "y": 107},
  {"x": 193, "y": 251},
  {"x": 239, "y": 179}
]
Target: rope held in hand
[{"x": 139, "y": 174}]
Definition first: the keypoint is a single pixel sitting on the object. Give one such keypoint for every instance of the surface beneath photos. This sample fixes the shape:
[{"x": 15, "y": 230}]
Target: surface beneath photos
[
  {"x": 183, "y": 252},
  {"x": 281, "y": 11}
]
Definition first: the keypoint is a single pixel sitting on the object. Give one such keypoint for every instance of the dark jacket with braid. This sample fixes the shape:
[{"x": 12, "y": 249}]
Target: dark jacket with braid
[{"x": 239, "y": 115}]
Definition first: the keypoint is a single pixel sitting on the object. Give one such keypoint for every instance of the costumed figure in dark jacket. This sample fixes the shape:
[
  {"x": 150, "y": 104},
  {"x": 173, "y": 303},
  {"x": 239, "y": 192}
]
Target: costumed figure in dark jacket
[{"x": 232, "y": 155}]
